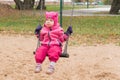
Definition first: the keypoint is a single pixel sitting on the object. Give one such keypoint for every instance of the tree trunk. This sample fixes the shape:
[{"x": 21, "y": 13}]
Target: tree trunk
[
  {"x": 24, "y": 5},
  {"x": 28, "y": 4},
  {"x": 19, "y": 4},
  {"x": 115, "y": 7},
  {"x": 41, "y": 5}
]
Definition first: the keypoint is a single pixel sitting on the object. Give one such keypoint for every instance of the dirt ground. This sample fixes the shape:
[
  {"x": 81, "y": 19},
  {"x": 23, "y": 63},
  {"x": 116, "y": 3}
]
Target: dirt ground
[
  {"x": 100, "y": 62},
  {"x": 17, "y": 62}
]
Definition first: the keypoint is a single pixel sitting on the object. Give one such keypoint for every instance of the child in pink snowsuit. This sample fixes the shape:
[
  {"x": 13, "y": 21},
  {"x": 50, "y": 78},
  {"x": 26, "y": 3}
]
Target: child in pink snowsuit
[{"x": 51, "y": 37}]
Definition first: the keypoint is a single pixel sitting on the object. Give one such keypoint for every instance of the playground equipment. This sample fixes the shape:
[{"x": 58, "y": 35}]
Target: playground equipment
[{"x": 64, "y": 54}]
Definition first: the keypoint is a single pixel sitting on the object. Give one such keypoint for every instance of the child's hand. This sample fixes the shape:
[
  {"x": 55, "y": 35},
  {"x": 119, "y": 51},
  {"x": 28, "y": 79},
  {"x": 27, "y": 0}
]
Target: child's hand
[
  {"x": 37, "y": 35},
  {"x": 69, "y": 31},
  {"x": 37, "y": 30}
]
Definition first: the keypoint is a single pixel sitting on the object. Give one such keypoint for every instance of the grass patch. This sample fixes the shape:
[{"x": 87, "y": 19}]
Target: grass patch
[
  {"x": 81, "y": 25},
  {"x": 57, "y": 7},
  {"x": 95, "y": 24},
  {"x": 89, "y": 30},
  {"x": 65, "y": 7},
  {"x": 18, "y": 24}
]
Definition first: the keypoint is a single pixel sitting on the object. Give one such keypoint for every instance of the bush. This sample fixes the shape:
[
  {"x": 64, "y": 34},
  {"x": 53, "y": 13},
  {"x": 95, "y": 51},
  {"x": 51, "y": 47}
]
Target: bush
[
  {"x": 77, "y": 1},
  {"x": 107, "y": 2}
]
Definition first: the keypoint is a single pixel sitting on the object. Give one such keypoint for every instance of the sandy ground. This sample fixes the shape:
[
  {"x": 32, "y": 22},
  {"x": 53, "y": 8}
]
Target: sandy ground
[{"x": 17, "y": 62}]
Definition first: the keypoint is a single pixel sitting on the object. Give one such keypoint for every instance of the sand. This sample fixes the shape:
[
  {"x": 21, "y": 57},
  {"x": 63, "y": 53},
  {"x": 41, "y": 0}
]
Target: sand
[{"x": 101, "y": 62}]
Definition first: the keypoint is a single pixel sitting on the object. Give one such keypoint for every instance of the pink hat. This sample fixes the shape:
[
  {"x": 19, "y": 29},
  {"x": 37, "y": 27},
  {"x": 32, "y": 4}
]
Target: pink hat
[{"x": 52, "y": 15}]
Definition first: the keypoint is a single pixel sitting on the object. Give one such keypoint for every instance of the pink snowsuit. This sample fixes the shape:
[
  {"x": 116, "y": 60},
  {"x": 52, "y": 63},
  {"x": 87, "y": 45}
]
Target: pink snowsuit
[{"x": 51, "y": 40}]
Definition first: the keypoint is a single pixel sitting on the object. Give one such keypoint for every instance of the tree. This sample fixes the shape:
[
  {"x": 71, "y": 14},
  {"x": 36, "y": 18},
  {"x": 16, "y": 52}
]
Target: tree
[
  {"x": 41, "y": 5},
  {"x": 28, "y": 4},
  {"x": 115, "y": 7}
]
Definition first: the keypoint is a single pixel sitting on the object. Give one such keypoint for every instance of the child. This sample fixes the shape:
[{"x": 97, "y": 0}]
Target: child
[{"x": 51, "y": 38}]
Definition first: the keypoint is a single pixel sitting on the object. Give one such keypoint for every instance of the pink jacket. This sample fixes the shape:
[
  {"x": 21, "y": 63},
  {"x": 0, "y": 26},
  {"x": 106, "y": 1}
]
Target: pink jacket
[{"x": 54, "y": 35}]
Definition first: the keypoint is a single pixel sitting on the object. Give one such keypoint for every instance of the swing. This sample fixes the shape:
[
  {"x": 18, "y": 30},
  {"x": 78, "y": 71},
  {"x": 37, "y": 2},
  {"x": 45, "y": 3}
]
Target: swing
[{"x": 64, "y": 54}]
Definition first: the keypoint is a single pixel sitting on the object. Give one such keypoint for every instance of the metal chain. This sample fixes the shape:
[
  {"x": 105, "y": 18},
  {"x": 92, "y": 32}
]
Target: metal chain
[{"x": 71, "y": 18}]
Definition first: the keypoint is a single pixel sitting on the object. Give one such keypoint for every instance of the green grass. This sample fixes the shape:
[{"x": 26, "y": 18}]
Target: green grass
[
  {"x": 65, "y": 7},
  {"x": 56, "y": 7},
  {"x": 87, "y": 29},
  {"x": 18, "y": 24},
  {"x": 81, "y": 25},
  {"x": 95, "y": 25}
]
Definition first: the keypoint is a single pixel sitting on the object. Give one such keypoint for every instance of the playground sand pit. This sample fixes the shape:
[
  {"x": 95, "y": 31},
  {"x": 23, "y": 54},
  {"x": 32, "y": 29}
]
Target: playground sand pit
[{"x": 17, "y": 62}]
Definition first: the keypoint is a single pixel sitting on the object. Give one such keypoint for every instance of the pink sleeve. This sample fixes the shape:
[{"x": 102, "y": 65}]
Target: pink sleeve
[
  {"x": 63, "y": 37},
  {"x": 41, "y": 36}
]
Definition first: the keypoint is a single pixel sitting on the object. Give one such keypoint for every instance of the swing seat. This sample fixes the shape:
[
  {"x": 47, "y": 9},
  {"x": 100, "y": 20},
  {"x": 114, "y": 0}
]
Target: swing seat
[{"x": 64, "y": 55}]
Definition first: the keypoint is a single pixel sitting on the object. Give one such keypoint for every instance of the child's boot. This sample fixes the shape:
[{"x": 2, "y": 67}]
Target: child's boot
[
  {"x": 38, "y": 68},
  {"x": 50, "y": 70}
]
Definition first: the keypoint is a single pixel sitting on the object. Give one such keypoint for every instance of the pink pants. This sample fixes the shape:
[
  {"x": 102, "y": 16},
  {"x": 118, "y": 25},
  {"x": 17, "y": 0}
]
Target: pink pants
[{"x": 53, "y": 53}]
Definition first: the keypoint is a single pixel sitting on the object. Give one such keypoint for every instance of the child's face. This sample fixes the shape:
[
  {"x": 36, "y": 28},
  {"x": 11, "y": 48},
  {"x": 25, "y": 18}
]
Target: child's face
[{"x": 49, "y": 22}]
